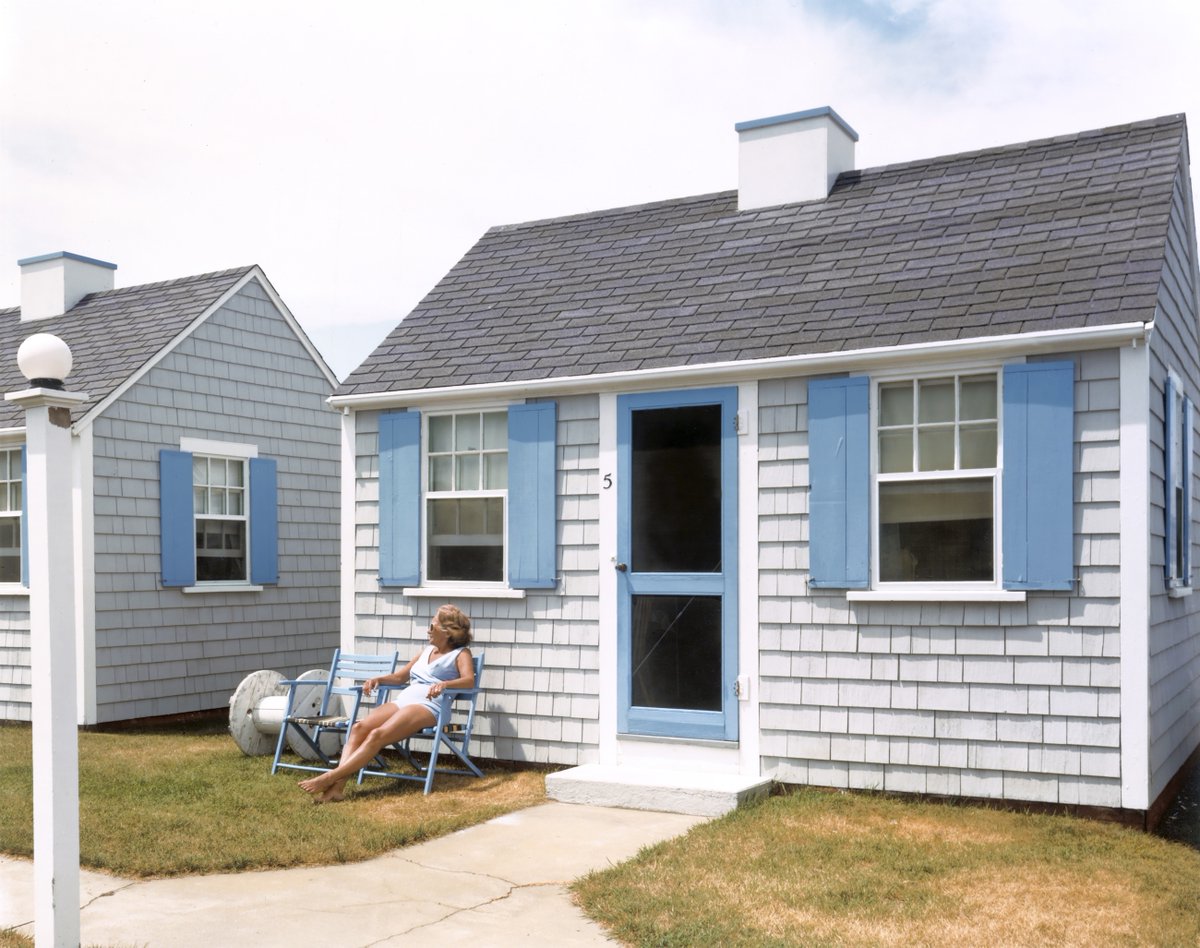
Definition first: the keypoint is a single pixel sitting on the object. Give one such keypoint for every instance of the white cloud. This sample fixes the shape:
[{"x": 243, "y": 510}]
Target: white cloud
[{"x": 357, "y": 150}]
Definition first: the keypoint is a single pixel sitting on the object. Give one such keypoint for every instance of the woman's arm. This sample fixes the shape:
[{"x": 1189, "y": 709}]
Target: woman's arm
[{"x": 466, "y": 675}]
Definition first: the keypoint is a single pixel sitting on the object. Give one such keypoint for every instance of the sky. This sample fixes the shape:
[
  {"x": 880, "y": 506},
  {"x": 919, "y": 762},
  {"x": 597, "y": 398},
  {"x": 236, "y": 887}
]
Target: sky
[{"x": 356, "y": 150}]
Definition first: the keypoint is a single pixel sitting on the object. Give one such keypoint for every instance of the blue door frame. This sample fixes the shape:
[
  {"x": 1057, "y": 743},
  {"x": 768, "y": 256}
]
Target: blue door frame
[{"x": 671, "y": 722}]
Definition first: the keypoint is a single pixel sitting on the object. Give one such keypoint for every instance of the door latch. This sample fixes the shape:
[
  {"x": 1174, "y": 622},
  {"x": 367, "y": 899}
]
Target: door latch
[
  {"x": 622, "y": 567},
  {"x": 741, "y": 687}
]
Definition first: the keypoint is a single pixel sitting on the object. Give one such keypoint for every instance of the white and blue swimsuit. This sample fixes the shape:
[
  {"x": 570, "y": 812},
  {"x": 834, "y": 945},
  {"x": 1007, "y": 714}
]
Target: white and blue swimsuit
[{"x": 425, "y": 673}]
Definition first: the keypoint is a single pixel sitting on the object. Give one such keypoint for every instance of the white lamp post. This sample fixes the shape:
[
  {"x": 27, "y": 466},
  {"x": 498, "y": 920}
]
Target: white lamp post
[{"x": 46, "y": 360}]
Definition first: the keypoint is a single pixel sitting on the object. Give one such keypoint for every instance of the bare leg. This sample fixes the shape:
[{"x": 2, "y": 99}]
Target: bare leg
[{"x": 383, "y": 726}]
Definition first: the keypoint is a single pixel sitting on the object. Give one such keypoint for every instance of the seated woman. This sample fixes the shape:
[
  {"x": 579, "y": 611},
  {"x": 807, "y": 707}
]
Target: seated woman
[{"x": 444, "y": 663}]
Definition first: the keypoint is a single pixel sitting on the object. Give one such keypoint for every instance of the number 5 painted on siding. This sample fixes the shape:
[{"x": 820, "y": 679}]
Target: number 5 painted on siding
[{"x": 607, "y": 481}]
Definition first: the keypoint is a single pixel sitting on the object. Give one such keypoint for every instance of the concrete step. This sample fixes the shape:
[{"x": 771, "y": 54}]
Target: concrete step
[{"x": 670, "y": 791}]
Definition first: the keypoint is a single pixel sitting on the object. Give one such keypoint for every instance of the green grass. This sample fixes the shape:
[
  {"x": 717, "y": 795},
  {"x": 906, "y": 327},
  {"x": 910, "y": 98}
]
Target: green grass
[
  {"x": 820, "y": 868},
  {"x": 162, "y": 802}
]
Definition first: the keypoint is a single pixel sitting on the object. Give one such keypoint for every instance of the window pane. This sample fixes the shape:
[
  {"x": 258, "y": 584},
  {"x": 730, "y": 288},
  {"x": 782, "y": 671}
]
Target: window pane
[
  {"x": 441, "y": 433},
  {"x": 936, "y": 401},
  {"x": 466, "y": 539},
  {"x": 978, "y": 446},
  {"x": 216, "y": 501},
  {"x": 235, "y": 473},
  {"x": 441, "y": 473},
  {"x": 216, "y": 472},
  {"x": 676, "y": 489},
  {"x": 5, "y": 504},
  {"x": 495, "y": 431},
  {"x": 935, "y": 449},
  {"x": 676, "y": 652},
  {"x": 199, "y": 470},
  {"x": 895, "y": 451},
  {"x": 466, "y": 476},
  {"x": 220, "y": 550},
  {"x": 466, "y": 432},
  {"x": 978, "y": 398},
  {"x": 234, "y": 503},
  {"x": 200, "y": 499},
  {"x": 936, "y": 531},
  {"x": 896, "y": 404},
  {"x": 5, "y": 458},
  {"x": 16, "y": 489},
  {"x": 495, "y": 471}
]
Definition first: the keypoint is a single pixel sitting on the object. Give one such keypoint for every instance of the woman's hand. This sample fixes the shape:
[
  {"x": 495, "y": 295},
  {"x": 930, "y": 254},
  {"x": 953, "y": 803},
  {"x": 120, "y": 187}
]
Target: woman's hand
[
  {"x": 369, "y": 686},
  {"x": 436, "y": 689}
]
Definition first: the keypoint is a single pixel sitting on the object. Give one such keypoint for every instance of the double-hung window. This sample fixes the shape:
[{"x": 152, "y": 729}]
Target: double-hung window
[
  {"x": 936, "y": 481},
  {"x": 11, "y": 506},
  {"x": 1177, "y": 487},
  {"x": 955, "y": 481},
  {"x": 468, "y": 497},
  {"x": 465, "y": 496},
  {"x": 219, "y": 522}
]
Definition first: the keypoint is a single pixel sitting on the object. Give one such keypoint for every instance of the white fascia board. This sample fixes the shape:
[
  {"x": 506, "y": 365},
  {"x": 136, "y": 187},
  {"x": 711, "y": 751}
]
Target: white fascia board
[
  {"x": 12, "y": 435},
  {"x": 925, "y": 353},
  {"x": 254, "y": 273}
]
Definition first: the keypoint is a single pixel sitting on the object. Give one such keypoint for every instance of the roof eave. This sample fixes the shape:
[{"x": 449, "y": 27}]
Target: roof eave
[{"x": 1034, "y": 343}]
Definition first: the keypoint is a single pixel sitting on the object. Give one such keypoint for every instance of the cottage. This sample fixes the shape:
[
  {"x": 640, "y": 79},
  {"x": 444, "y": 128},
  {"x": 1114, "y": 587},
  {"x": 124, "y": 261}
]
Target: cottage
[
  {"x": 876, "y": 478},
  {"x": 205, "y": 470}
]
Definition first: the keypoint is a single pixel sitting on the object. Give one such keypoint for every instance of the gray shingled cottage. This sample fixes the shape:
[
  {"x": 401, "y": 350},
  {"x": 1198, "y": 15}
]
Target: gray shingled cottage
[
  {"x": 877, "y": 478},
  {"x": 205, "y": 467}
]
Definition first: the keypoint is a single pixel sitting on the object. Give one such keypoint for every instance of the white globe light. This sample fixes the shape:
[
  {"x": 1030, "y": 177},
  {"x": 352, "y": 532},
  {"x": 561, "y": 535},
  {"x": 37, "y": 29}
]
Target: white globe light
[{"x": 44, "y": 358}]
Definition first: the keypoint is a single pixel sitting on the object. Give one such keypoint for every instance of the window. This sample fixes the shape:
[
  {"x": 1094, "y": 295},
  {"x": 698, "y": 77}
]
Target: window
[
  {"x": 219, "y": 506},
  {"x": 466, "y": 489},
  {"x": 1177, "y": 484},
  {"x": 219, "y": 523},
  {"x": 468, "y": 497},
  {"x": 11, "y": 504},
  {"x": 936, "y": 481},
  {"x": 920, "y": 485}
]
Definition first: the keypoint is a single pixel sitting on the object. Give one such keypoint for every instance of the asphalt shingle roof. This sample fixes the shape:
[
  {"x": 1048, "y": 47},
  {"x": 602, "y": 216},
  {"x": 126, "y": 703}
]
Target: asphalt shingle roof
[
  {"x": 111, "y": 334},
  {"x": 1058, "y": 233}
]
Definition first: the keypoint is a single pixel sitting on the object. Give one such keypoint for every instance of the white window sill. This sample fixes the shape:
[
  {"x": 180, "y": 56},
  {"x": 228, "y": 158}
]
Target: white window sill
[
  {"x": 1179, "y": 592},
  {"x": 13, "y": 589},
  {"x": 223, "y": 588},
  {"x": 936, "y": 595},
  {"x": 465, "y": 591}
]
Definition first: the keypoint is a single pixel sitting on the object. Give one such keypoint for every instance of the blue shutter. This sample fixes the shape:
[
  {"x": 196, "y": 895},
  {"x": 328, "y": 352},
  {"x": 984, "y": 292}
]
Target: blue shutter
[
  {"x": 400, "y": 498},
  {"x": 264, "y": 523},
  {"x": 177, "y": 523},
  {"x": 839, "y": 523},
  {"x": 1039, "y": 464},
  {"x": 1170, "y": 514},
  {"x": 1186, "y": 513},
  {"x": 24, "y": 523},
  {"x": 531, "y": 501}
]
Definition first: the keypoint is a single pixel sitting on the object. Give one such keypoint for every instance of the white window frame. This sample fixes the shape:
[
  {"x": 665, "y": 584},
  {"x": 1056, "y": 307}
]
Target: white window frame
[
  {"x": 1181, "y": 445},
  {"x": 925, "y": 591},
  {"x": 231, "y": 451},
  {"x": 446, "y": 587},
  {"x": 15, "y": 450}
]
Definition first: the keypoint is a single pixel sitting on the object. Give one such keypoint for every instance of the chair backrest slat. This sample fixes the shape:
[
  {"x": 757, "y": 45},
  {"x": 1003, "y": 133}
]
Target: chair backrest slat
[{"x": 348, "y": 671}]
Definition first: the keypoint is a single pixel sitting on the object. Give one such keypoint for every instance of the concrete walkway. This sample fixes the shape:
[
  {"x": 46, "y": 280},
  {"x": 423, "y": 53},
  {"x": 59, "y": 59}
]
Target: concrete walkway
[{"x": 500, "y": 883}]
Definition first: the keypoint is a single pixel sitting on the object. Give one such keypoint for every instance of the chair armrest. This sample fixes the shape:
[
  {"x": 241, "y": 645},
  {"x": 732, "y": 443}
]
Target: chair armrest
[{"x": 292, "y": 682}]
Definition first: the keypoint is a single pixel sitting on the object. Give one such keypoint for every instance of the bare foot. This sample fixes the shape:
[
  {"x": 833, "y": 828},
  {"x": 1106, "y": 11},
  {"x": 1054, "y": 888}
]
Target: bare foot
[
  {"x": 315, "y": 785},
  {"x": 332, "y": 795}
]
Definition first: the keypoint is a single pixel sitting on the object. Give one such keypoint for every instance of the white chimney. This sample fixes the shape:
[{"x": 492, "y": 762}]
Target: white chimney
[
  {"x": 54, "y": 282},
  {"x": 791, "y": 158}
]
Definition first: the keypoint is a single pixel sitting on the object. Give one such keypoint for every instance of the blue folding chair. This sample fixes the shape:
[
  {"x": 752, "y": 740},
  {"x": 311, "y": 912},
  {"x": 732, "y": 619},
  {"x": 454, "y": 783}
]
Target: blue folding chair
[
  {"x": 456, "y": 720},
  {"x": 343, "y": 687}
]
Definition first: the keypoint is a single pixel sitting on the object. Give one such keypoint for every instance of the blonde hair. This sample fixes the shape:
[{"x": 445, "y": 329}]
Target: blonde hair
[{"x": 455, "y": 622}]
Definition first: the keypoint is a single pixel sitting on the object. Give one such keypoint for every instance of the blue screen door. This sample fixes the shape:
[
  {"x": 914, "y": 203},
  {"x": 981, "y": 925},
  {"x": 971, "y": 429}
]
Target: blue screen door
[{"x": 677, "y": 564}]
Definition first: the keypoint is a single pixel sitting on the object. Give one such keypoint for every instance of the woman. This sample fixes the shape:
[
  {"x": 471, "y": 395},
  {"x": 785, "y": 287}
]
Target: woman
[{"x": 445, "y": 663}]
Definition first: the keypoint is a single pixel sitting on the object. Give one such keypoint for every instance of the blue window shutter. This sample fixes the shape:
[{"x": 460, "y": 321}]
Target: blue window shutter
[
  {"x": 1170, "y": 514},
  {"x": 1187, "y": 511},
  {"x": 400, "y": 498},
  {"x": 264, "y": 523},
  {"x": 1039, "y": 464},
  {"x": 839, "y": 523},
  {"x": 24, "y": 524},
  {"x": 177, "y": 524},
  {"x": 532, "y": 556}
]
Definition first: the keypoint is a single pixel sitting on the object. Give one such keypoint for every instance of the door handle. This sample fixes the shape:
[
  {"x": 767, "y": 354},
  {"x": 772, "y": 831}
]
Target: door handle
[{"x": 622, "y": 567}]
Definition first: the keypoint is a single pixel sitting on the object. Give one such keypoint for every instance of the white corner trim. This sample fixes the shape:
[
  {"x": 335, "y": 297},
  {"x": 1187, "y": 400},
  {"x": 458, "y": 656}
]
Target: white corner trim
[
  {"x": 348, "y": 524},
  {"x": 464, "y": 591},
  {"x": 749, "y": 732},
  {"x": 1135, "y": 577},
  {"x": 609, "y": 748},
  {"x": 227, "y": 449},
  {"x": 83, "y": 502}
]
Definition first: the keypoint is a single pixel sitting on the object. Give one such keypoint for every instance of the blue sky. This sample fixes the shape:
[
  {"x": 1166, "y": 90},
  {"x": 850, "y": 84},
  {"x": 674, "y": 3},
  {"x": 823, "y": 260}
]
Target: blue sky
[{"x": 357, "y": 150}]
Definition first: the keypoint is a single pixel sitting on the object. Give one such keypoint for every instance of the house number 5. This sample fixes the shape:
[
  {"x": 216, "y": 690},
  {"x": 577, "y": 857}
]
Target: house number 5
[{"x": 607, "y": 481}]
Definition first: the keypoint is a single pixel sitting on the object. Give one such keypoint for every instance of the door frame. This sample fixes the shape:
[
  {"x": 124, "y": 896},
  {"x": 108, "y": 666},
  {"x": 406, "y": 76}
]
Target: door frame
[{"x": 720, "y": 725}]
